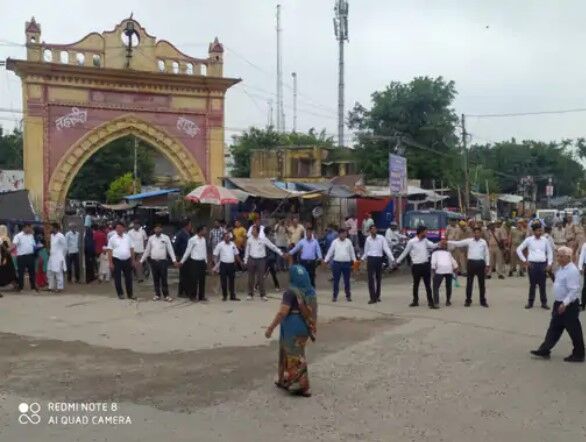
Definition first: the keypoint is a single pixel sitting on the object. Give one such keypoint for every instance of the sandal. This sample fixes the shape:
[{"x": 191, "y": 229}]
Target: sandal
[
  {"x": 281, "y": 386},
  {"x": 301, "y": 393}
]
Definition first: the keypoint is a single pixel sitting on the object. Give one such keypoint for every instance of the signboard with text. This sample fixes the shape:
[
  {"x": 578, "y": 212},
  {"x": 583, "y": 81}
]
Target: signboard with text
[{"x": 397, "y": 175}]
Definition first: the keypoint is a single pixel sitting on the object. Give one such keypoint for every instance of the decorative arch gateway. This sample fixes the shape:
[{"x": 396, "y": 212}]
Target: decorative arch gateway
[{"x": 78, "y": 97}]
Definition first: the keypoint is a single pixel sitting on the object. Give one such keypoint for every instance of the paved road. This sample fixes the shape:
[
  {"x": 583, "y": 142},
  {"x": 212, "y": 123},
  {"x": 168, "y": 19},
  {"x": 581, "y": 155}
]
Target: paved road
[{"x": 204, "y": 372}]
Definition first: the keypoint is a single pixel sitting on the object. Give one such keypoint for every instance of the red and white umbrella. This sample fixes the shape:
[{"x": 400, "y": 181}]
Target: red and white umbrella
[{"x": 211, "y": 194}]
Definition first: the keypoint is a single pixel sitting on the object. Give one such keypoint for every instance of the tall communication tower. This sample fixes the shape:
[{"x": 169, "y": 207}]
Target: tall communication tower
[
  {"x": 294, "y": 75},
  {"x": 280, "y": 111},
  {"x": 341, "y": 31}
]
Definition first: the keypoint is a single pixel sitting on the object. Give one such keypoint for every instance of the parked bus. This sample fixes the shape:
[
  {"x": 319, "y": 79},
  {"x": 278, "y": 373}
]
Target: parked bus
[{"x": 436, "y": 222}]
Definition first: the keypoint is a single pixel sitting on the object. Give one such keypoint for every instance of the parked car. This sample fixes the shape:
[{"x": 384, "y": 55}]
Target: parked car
[{"x": 436, "y": 222}]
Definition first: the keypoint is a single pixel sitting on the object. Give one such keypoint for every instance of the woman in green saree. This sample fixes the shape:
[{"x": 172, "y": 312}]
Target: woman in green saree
[{"x": 297, "y": 316}]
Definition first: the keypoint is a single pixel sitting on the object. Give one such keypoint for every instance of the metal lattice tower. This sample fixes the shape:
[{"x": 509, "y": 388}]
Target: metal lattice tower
[{"x": 341, "y": 31}]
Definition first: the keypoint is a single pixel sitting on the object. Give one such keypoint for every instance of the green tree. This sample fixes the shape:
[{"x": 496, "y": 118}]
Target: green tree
[
  {"x": 509, "y": 161},
  {"x": 419, "y": 113},
  {"x": 255, "y": 138},
  {"x": 120, "y": 187},
  {"x": 110, "y": 162},
  {"x": 11, "y": 149}
]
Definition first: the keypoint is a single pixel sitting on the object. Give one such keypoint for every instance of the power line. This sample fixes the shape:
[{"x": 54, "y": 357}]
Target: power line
[{"x": 522, "y": 114}]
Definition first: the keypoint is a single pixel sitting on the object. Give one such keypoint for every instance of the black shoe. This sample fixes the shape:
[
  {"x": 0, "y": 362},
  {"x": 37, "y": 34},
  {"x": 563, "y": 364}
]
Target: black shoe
[
  {"x": 484, "y": 304},
  {"x": 501, "y": 277},
  {"x": 528, "y": 306},
  {"x": 414, "y": 304},
  {"x": 522, "y": 274},
  {"x": 371, "y": 302},
  {"x": 468, "y": 303},
  {"x": 204, "y": 299},
  {"x": 510, "y": 273},
  {"x": 489, "y": 277},
  {"x": 573, "y": 358},
  {"x": 540, "y": 353},
  {"x": 545, "y": 307},
  {"x": 132, "y": 297},
  {"x": 433, "y": 306},
  {"x": 234, "y": 299},
  {"x": 120, "y": 297},
  {"x": 348, "y": 299},
  {"x": 193, "y": 299},
  {"x": 448, "y": 303},
  {"x": 334, "y": 299},
  {"x": 224, "y": 299},
  {"x": 377, "y": 299}
]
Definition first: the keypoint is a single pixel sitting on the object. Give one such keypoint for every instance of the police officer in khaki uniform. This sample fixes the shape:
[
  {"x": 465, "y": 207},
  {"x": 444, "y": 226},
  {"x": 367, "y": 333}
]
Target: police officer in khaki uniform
[
  {"x": 517, "y": 236},
  {"x": 495, "y": 246}
]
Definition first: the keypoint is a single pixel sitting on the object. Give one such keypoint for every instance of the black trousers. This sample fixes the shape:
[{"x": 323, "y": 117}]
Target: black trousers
[
  {"x": 570, "y": 322},
  {"x": 419, "y": 272},
  {"x": 271, "y": 269},
  {"x": 26, "y": 262},
  {"x": 73, "y": 266},
  {"x": 537, "y": 277},
  {"x": 183, "y": 272},
  {"x": 476, "y": 268},
  {"x": 437, "y": 282},
  {"x": 90, "y": 267},
  {"x": 227, "y": 273},
  {"x": 374, "y": 265},
  {"x": 159, "y": 269},
  {"x": 309, "y": 265},
  {"x": 197, "y": 290},
  {"x": 123, "y": 267}
]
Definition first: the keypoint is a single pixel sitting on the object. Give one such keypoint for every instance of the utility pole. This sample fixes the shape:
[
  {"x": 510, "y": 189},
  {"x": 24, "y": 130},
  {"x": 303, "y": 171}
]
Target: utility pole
[
  {"x": 466, "y": 166},
  {"x": 280, "y": 111},
  {"x": 270, "y": 121},
  {"x": 341, "y": 32},
  {"x": 294, "y": 75},
  {"x": 134, "y": 186}
]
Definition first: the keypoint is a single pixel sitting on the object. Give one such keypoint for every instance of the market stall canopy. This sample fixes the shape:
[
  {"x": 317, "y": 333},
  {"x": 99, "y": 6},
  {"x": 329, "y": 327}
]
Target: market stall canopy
[
  {"x": 16, "y": 206},
  {"x": 328, "y": 189},
  {"x": 212, "y": 194},
  {"x": 413, "y": 192},
  {"x": 510, "y": 198},
  {"x": 260, "y": 187},
  {"x": 155, "y": 193},
  {"x": 117, "y": 207}
]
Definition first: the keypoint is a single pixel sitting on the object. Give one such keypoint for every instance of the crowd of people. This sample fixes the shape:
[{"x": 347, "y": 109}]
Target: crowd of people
[{"x": 468, "y": 249}]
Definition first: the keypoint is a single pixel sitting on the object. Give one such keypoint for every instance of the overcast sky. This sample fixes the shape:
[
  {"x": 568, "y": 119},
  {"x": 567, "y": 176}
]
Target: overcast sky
[{"x": 505, "y": 56}]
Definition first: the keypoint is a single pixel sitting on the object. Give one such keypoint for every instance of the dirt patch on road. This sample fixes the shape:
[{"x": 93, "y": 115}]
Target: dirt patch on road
[{"x": 177, "y": 381}]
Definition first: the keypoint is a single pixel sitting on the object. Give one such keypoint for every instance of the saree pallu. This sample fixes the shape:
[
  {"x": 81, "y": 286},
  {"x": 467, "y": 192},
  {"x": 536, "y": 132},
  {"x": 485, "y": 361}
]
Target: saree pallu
[{"x": 293, "y": 372}]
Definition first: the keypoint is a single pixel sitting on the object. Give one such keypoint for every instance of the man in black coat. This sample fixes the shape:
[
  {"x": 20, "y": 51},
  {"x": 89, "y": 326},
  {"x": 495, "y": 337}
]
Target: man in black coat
[{"x": 180, "y": 244}]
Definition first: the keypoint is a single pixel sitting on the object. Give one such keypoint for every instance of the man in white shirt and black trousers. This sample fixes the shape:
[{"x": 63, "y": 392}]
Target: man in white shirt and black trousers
[
  {"x": 443, "y": 265},
  {"x": 226, "y": 254},
  {"x": 538, "y": 263},
  {"x": 158, "y": 251},
  {"x": 478, "y": 264},
  {"x": 24, "y": 241},
  {"x": 566, "y": 309},
  {"x": 374, "y": 247},
  {"x": 120, "y": 254},
  {"x": 418, "y": 249},
  {"x": 342, "y": 253},
  {"x": 197, "y": 254},
  {"x": 255, "y": 260}
]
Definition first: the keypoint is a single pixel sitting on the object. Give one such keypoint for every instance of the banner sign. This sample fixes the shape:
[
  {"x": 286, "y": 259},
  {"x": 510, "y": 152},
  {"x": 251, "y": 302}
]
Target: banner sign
[{"x": 397, "y": 175}]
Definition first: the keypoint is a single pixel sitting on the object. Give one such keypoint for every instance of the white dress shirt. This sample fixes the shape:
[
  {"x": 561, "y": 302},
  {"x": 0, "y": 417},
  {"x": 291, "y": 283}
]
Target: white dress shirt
[
  {"x": 121, "y": 246},
  {"x": 477, "y": 249},
  {"x": 72, "y": 239},
  {"x": 138, "y": 238},
  {"x": 261, "y": 232},
  {"x": 566, "y": 287},
  {"x": 539, "y": 250},
  {"x": 196, "y": 249},
  {"x": 582, "y": 257},
  {"x": 257, "y": 248},
  {"x": 376, "y": 247},
  {"x": 418, "y": 250},
  {"x": 157, "y": 248},
  {"x": 341, "y": 251},
  {"x": 24, "y": 243},
  {"x": 443, "y": 263},
  {"x": 226, "y": 252}
]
